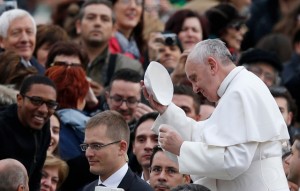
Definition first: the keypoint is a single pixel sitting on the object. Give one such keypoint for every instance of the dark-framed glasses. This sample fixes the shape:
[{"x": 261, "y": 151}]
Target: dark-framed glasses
[
  {"x": 66, "y": 64},
  {"x": 38, "y": 101},
  {"x": 95, "y": 146},
  {"x": 118, "y": 101}
]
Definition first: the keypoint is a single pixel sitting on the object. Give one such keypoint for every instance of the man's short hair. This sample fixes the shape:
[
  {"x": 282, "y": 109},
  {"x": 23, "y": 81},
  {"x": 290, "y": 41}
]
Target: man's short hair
[
  {"x": 8, "y": 16},
  {"x": 210, "y": 47},
  {"x": 156, "y": 149},
  {"x": 95, "y": 2},
  {"x": 188, "y": 91},
  {"x": 282, "y": 92},
  {"x": 116, "y": 126},
  {"x": 12, "y": 175},
  {"x": 190, "y": 187},
  {"x": 35, "y": 79},
  {"x": 126, "y": 74},
  {"x": 147, "y": 116}
]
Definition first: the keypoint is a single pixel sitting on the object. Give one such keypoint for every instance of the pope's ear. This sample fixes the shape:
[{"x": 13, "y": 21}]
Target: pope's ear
[
  {"x": 213, "y": 64},
  {"x": 21, "y": 187}
]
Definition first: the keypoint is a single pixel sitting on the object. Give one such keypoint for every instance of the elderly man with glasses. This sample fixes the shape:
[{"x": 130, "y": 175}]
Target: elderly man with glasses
[
  {"x": 25, "y": 131},
  {"x": 105, "y": 144}
]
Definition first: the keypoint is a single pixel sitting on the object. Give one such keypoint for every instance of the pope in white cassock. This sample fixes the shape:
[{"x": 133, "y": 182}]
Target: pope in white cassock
[{"x": 239, "y": 147}]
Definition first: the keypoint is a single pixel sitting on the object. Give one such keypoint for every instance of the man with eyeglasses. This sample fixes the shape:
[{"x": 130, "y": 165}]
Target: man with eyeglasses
[
  {"x": 124, "y": 96},
  {"x": 25, "y": 130},
  {"x": 105, "y": 144},
  {"x": 164, "y": 173}
]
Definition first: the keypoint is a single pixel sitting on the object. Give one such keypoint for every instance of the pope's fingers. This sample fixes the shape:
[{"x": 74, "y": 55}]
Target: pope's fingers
[{"x": 164, "y": 128}]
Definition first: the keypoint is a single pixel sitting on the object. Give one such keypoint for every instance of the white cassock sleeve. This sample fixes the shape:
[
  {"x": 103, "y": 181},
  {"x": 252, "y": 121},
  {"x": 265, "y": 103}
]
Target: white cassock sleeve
[{"x": 197, "y": 158}]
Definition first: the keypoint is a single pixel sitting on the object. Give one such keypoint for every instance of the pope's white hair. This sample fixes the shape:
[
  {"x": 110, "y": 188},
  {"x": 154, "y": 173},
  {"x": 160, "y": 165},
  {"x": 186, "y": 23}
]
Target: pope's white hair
[
  {"x": 210, "y": 47},
  {"x": 8, "y": 16}
]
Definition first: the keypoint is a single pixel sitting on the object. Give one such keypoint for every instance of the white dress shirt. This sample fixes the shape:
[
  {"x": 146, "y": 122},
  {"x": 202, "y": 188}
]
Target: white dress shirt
[{"x": 115, "y": 179}]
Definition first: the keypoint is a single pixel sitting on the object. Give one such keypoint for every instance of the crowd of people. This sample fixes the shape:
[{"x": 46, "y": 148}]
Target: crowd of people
[{"x": 75, "y": 113}]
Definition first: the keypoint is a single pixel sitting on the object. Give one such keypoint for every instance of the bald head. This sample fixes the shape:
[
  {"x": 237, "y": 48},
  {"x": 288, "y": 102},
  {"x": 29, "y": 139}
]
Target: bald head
[{"x": 13, "y": 176}]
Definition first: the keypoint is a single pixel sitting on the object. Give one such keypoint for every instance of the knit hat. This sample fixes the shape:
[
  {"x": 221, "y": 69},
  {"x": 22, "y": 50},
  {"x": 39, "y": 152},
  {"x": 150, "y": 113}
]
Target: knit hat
[
  {"x": 254, "y": 55},
  {"x": 220, "y": 16}
]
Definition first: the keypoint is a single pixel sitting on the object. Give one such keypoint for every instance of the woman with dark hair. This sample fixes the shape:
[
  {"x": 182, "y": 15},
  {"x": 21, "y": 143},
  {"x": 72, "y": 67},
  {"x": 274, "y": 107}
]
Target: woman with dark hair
[
  {"x": 67, "y": 49},
  {"x": 226, "y": 23},
  {"x": 188, "y": 26},
  {"x": 128, "y": 38},
  {"x": 54, "y": 129}
]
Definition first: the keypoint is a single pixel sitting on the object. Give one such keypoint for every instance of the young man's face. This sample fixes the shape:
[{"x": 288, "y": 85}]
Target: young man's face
[
  {"x": 124, "y": 90},
  {"x": 186, "y": 103},
  {"x": 283, "y": 107},
  {"x": 144, "y": 141},
  {"x": 34, "y": 115},
  {"x": 106, "y": 160},
  {"x": 96, "y": 25}
]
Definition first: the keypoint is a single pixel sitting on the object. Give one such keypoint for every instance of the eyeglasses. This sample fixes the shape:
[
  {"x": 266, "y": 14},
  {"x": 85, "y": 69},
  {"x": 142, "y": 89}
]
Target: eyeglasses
[
  {"x": 130, "y": 102},
  {"x": 95, "y": 146},
  {"x": 170, "y": 171},
  {"x": 38, "y": 101},
  {"x": 260, "y": 72},
  {"x": 62, "y": 63},
  {"x": 238, "y": 25},
  {"x": 127, "y": 2}
]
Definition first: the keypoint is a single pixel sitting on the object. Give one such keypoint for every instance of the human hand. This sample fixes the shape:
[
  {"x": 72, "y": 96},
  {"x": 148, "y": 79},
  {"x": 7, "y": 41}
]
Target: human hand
[
  {"x": 154, "y": 104},
  {"x": 155, "y": 42},
  {"x": 141, "y": 110},
  {"x": 96, "y": 87},
  {"x": 293, "y": 186},
  {"x": 90, "y": 99},
  {"x": 169, "y": 139}
]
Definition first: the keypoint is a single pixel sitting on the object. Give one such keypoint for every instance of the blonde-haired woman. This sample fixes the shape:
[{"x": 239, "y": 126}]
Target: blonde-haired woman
[{"x": 54, "y": 173}]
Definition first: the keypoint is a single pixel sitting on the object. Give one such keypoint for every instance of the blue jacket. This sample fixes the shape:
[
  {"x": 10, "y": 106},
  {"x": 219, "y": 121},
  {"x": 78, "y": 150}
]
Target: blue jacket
[{"x": 71, "y": 134}]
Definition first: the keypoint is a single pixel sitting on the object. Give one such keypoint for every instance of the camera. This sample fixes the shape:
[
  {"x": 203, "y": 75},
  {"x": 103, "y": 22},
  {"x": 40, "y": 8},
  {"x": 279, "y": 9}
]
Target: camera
[{"x": 170, "y": 39}]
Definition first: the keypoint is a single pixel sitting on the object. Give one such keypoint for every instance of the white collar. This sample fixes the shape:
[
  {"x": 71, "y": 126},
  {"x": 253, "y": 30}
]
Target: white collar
[
  {"x": 115, "y": 179},
  {"x": 228, "y": 79}
]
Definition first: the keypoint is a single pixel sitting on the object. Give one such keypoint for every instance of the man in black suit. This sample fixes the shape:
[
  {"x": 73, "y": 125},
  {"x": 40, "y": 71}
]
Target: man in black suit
[{"x": 105, "y": 144}]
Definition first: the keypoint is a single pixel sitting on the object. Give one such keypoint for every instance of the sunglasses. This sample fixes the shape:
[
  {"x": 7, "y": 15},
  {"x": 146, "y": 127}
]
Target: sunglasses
[
  {"x": 66, "y": 64},
  {"x": 238, "y": 25}
]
